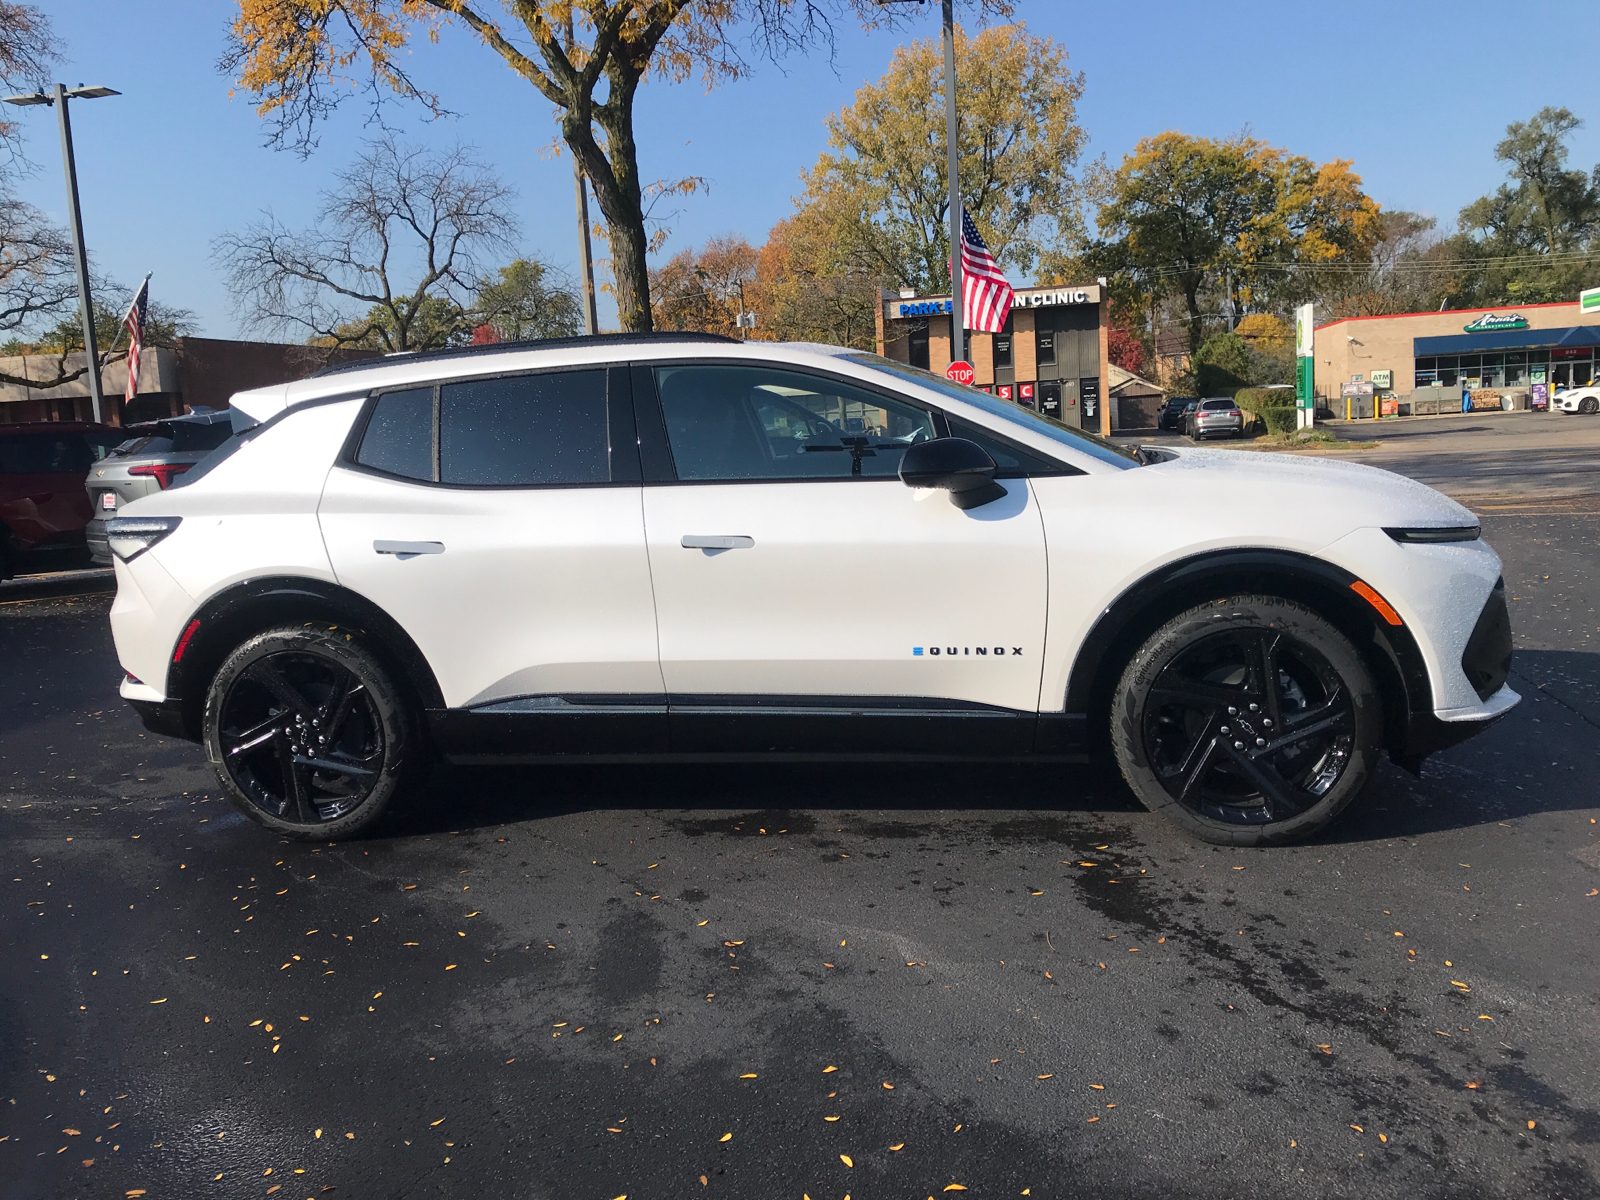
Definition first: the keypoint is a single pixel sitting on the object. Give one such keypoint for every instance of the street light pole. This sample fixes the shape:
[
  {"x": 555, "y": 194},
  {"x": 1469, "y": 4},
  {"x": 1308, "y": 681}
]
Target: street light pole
[
  {"x": 79, "y": 255},
  {"x": 958, "y": 327}
]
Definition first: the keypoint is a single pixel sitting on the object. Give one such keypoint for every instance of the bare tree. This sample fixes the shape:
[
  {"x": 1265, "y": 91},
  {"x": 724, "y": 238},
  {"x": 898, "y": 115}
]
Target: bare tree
[{"x": 391, "y": 259}]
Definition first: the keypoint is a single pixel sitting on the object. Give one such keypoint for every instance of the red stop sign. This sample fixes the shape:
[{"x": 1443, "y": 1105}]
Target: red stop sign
[{"x": 961, "y": 372}]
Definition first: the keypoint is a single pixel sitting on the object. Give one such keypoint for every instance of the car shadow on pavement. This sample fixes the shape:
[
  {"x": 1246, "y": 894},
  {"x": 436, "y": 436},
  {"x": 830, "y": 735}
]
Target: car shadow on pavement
[
  {"x": 461, "y": 798},
  {"x": 1528, "y": 763}
]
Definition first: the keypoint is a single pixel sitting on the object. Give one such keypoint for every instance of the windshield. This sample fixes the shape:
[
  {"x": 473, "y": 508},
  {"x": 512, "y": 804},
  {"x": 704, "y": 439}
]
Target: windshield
[{"x": 1078, "y": 439}]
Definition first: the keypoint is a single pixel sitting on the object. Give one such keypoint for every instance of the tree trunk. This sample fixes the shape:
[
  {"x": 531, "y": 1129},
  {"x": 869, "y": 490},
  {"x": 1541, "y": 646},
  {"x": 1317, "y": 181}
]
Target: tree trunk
[
  {"x": 1191, "y": 298},
  {"x": 617, "y": 192}
]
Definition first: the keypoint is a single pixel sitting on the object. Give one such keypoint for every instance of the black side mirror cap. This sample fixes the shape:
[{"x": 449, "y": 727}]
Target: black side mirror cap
[{"x": 960, "y": 467}]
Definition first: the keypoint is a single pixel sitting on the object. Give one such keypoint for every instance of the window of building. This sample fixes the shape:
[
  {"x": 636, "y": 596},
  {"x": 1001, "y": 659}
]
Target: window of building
[
  {"x": 1493, "y": 368},
  {"x": 751, "y": 422},
  {"x": 399, "y": 435},
  {"x": 1002, "y": 349},
  {"x": 1046, "y": 347},
  {"x": 917, "y": 341},
  {"x": 1581, "y": 373},
  {"x": 1516, "y": 370},
  {"x": 525, "y": 431}
]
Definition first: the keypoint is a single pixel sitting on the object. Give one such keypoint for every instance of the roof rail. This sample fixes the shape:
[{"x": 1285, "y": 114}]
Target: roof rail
[{"x": 600, "y": 339}]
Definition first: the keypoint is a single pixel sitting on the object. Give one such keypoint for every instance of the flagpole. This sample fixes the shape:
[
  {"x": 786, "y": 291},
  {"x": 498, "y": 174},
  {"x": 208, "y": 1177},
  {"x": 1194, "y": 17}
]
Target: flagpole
[{"x": 958, "y": 327}]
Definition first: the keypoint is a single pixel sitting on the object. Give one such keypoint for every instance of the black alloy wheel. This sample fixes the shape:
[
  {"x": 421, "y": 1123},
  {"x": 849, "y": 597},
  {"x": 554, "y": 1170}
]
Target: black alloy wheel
[
  {"x": 309, "y": 733},
  {"x": 1589, "y": 405},
  {"x": 1247, "y": 722}
]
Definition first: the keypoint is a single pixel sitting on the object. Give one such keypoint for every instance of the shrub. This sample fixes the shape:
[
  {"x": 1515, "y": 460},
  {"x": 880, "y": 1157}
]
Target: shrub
[
  {"x": 1279, "y": 419},
  {"x": 1254, "y": 399}
]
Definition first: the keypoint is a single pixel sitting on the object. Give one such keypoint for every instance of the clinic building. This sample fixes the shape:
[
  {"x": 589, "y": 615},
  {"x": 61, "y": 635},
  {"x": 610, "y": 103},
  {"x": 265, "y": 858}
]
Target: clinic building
[
  {"x": 1509, "y": 357},
  {"x": 1050, "y": 355}
]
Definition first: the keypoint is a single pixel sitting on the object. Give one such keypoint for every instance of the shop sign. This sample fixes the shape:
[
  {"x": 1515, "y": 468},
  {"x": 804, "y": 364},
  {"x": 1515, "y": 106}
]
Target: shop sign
[
  {"x": 1025, "y": 393},
  {"x": 1304, "y": 332},
  {"x": 1589, "y": 301},
  {"x": 1569, "y": 351},
  {"x": 925, "y": 308},
  {"x": 1005, "y": 391},
  {"x": 1383, "y": 379},
  {"x": 1047, "y": 299},
  {"x": 961, "y": 372},
  {"x": 1494, "y": 323},
  {"x": 1355, "y": 389}
]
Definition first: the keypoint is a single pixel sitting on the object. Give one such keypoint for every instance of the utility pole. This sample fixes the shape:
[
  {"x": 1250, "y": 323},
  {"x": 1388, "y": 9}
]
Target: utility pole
[
  {"x": 958, "y": 326},
  {"x": 591, "y": 322},
  {"x": 79, "y": 256}
]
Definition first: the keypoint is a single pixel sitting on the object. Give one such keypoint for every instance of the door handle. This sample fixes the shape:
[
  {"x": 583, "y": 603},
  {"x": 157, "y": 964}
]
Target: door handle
[
  {"x": 718, "y": 541},
  {"x": 407, "y": 549}
]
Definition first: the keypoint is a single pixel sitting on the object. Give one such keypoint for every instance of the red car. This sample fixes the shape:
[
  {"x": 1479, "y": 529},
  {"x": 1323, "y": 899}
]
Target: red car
[{"x": 43, "y": 505}]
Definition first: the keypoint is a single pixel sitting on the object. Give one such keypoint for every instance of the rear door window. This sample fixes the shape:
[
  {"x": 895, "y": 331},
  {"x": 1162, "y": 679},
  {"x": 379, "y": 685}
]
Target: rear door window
[
  {"x": 525, "y": 430},
  {"x": 45, "y": 454}
]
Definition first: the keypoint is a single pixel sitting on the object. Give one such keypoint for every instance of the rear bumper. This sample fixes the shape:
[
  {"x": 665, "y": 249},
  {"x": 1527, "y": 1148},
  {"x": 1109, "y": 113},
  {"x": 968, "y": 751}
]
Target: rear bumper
[
  {"x": 94, "y": 534},
  {"x": 1205, "y": 428}
]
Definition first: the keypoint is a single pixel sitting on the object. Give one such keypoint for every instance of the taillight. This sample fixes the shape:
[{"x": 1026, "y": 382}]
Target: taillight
[{"x": 162, "y": 473}]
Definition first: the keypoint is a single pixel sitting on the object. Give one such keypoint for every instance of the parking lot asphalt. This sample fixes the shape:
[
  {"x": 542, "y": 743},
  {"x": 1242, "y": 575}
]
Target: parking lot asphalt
[{"x": 753, "y": 981}]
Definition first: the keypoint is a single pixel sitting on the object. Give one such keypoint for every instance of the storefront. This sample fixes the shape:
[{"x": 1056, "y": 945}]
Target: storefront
[
  {"x": 1050, "y": 355},
  {"x": 1514, "y": 357}
]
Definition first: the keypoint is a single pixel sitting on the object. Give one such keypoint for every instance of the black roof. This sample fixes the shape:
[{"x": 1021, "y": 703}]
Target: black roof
[{"x": 598, "y": 339}]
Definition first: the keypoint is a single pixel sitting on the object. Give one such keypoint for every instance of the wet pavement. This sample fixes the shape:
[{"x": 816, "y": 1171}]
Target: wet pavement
[{"x": 755, "y": 981}]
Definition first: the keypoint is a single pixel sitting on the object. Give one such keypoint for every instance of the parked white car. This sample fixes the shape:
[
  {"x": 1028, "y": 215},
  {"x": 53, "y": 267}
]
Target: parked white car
[
  {"x": 678, "y": 545},
  {"x": 1584, "y": 400}
]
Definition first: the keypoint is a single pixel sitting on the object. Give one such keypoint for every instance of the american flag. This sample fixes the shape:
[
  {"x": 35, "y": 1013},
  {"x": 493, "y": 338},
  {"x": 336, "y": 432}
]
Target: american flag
[
  {"x": 985, "y": 294},
  {"x": 134, "y": 320}
]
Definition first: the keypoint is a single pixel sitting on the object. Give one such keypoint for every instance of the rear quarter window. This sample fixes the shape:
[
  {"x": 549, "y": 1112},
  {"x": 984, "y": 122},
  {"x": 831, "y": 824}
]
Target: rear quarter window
[{"x": 525, "y": 431}]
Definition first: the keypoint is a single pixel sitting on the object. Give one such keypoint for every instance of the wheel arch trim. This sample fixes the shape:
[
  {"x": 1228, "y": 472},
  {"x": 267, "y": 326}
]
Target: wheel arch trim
[
  {"x": 253, "y": 604},
  {"x": 1156, "y": 597}
]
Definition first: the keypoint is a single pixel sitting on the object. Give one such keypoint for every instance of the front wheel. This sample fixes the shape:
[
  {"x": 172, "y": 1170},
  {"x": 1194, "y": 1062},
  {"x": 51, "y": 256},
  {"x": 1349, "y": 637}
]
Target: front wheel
[
  {"x": 1589, "y": 405},
  {"x": 1250, "y": 721},
  {"x": 309, "y": 733}
]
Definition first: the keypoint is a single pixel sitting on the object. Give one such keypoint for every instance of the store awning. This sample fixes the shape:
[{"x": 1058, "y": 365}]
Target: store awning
[{"x": 1510, "y": 339}]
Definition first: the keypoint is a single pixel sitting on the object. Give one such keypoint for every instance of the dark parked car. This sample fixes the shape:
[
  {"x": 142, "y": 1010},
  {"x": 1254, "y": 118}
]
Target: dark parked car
[
  {"x": 1170, "y": 414},
  {"x": 43, "y": 510},
  {"x": 149, "y": 458}
]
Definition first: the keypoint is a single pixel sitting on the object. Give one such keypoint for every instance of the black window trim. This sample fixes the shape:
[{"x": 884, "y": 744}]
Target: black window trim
[
  {"x": 655, "y": 451},
  {"x": 622, "y": 442}
]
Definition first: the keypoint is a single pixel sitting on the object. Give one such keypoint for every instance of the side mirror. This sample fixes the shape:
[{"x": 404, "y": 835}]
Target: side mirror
[{"x": 962, "y": 468}]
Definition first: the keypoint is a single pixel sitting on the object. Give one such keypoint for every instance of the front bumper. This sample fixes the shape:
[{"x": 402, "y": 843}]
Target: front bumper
[{"x": 1428, "y": 733}]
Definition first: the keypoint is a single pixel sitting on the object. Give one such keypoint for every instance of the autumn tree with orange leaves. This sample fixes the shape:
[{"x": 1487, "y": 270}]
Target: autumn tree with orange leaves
[{"x": 587, "y": 58}]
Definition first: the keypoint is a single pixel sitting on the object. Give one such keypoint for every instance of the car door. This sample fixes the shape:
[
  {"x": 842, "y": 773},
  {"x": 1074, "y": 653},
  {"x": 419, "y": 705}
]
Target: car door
[
  {"x": 499, "y": 521},
  {"x": 806, "y": 599}
]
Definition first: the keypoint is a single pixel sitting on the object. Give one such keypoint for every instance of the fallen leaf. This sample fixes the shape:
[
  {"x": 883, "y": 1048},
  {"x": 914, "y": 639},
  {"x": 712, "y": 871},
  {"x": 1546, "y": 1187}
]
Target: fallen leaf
[
  {"x": 830, "y": 1118},
  {"x": 707, "y": 921},
  {"x": 1383, "y": 1137},
  {"x": 846, "y": 1160},
  {"x": 888, "y": 1087},
  {"x": 1099, "y": 1087},
  {"x": 902, "y": 1145},
  {"x": 727, "y": 1137},
  {"x": 954, "y": 1187},
  {"x": 751, "y": 1075},
  {"x": 440, "y": 1121},
  {"x": 451, "y": 967},
  {"x": 1473, "y": 1085},
  {"x": 1047, "y": 1076},
  {"x": 618, "y": 1038},
  {"x": 829, "y": 1070},
  {"x": 1358, "y": 1129},
  {"x": 1091, "y": 1120},
  {"x": 163, "y": 1000},
  {"x": 1531, "y": 1124}
]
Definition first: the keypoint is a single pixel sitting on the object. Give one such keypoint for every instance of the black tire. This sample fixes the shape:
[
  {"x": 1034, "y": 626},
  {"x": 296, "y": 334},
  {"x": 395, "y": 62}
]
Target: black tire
[
  {"x": 310, "y": 734},
  {"x": 1589, "y": 405},
  {"x": 1204, "y": 742}
]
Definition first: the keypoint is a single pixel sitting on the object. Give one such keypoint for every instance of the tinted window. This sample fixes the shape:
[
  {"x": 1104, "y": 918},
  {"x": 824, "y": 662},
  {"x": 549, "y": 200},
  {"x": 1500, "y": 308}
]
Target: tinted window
[
  {"x": 1217, "y": 405},
  {"x": 1010, "y": 461},
  {"x": 44, "y": 454},
  {"x": 399, "y": 437},
  {"x": 525, "y": 431},
  {"x": 191, "y": 436},
  {"x": 741, "y": 422}
]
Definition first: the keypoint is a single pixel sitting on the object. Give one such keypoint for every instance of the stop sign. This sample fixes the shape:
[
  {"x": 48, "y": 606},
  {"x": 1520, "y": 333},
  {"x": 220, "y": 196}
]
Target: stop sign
[{"x": 961, "y": 372}]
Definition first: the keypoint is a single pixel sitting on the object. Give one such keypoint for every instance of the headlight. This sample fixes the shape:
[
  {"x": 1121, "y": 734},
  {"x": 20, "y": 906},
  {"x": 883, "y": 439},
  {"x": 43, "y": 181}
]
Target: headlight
[{"x": 132, "y": 536}]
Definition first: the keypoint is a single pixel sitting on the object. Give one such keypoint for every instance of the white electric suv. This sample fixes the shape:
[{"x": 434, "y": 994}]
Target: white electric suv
[{"x": 634, "y": 547}]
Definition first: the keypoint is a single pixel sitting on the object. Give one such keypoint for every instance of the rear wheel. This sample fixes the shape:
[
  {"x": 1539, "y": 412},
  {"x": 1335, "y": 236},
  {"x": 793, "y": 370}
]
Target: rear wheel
[
  {"x": 310, "y": 734},
  {"x": 1252, "y": 721}
]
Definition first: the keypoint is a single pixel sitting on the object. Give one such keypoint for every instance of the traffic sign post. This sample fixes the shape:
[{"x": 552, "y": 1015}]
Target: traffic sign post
[{"x": 961, "y": 372}]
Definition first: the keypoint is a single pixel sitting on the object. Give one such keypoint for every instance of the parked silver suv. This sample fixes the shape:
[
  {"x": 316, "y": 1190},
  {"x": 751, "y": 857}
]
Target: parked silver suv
[
  {"x": 1214, "y": 418},
  {"x": 154, "y": 454}
]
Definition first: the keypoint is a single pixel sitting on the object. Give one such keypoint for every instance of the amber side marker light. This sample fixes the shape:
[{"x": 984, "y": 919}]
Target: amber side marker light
[{"x": 1385, "y": 610}]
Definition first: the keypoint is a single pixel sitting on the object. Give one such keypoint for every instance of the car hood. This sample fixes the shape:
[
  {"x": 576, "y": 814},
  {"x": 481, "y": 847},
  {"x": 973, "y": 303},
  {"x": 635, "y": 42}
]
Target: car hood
[{"x": 1359, "y": 494}]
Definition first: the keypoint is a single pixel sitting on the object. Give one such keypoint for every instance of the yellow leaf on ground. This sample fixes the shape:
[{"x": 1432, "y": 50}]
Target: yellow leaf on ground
[
  {"x": 440, "y": 1121},
  {"x": 829, "y": 1070},
  {"x": 830, "y": 1118},
  {"x": 902, "y": 1145},
  {"x": 846, "y": 1160},
  {"x": 1047, "y": 1076},
  {"x": 955, "y": 1187},
  {"x": 1358, "y": 1129},
  {"x": 751, "y": 1075},
  {"x": 727, "y": 1137},
  {"x": 888, "y": 1087},
  {"x": 1099, "y": 1087},
  {"x": 1531, "y": 1124}
]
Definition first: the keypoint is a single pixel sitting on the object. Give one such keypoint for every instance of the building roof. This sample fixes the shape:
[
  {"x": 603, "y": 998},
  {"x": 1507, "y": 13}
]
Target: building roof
[
  {"x": 1126, "y": 381},
  {"x": 1435, "y": 312}
]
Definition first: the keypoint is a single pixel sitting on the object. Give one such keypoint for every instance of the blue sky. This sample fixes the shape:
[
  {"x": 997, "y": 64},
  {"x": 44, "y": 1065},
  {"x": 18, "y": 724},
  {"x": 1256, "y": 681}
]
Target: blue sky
[{"x": 1415, "y": 93}]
